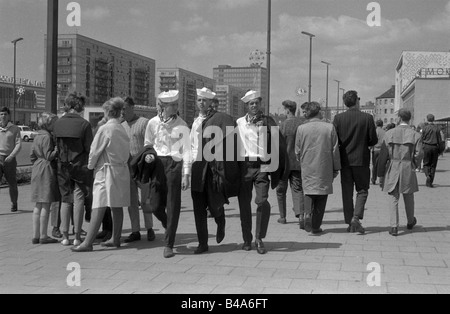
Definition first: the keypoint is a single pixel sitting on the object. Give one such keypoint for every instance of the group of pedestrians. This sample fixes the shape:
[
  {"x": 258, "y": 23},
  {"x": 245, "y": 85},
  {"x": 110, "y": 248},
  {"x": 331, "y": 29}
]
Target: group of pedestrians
[{"x": 130, "y": 161}]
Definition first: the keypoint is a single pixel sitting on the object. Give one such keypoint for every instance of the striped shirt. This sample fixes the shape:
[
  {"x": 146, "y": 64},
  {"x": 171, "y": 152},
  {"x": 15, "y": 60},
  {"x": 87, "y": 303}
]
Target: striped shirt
[{"x": 136, "y": 132}]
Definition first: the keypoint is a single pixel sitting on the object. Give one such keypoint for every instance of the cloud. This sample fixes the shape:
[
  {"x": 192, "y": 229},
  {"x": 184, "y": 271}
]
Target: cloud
[
  {"x": 136, "y": 12},
  {"x": 441, "y": 23},
  {"x": 194, "y": 24},
  {"x": 220, "y": 4},
  {"x": 201, "y": 46},
  {"x": 96, "y": 13}
]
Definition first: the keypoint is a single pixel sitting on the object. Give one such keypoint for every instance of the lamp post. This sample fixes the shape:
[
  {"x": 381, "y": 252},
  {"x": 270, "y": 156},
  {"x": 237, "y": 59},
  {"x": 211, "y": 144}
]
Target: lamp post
[
  {"x": 338, "y": 89},
  {"x": 328, "y": 70},
  {"x": 269, "y": 45},
  {"x": 311, "y": 36},
  {"x": 343, "y": 92},
  {"x": 15, "y": 41}
]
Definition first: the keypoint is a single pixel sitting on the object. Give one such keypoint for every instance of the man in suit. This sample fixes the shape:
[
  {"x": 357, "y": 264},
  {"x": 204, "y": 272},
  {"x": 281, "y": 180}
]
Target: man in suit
[{"x": 356, "y": 132}]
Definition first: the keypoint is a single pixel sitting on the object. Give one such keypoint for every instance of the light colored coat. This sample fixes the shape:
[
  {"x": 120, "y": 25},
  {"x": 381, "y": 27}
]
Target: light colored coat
[
  {"x": 108, "y": 158},
  {"x": 317, "y": 149},
  {"x": 400, "y": 152}
]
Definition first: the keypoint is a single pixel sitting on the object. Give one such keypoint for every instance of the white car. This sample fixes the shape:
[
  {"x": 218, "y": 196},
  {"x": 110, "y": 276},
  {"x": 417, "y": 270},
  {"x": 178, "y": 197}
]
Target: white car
[{"x": 26, "y": 133}]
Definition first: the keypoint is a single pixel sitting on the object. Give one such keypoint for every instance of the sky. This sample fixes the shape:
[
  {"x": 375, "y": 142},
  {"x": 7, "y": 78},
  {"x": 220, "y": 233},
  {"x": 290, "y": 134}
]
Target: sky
[{"x": 198, "y": 35}]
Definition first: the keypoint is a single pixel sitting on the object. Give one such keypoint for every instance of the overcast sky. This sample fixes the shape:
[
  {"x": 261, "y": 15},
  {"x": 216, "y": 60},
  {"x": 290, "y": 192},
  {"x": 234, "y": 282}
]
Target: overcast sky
[{"x": 198, "y": 35}]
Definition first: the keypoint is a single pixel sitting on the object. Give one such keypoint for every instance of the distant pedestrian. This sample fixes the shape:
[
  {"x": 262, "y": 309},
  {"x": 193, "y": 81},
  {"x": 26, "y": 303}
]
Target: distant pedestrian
[
  {"x": 44, "y": 181},
  {"x": 356, "y": 132},
  {"x": 390, "y": 126},
  {"x": 288, "y": 129},
  {"x": 376, "y": 150},
  {"x": 432, "y": 139},
  {"x": 399, "y": 156},
  {"x": 317, "y": 149},
  {"x": 108, "y": 158},
  {"x": 10, "y": 146}
]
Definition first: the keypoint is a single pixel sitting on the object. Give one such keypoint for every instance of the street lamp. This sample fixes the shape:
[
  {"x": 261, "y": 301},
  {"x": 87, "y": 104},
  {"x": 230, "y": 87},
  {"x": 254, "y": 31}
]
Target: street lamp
[
  {"x": 310, "y": 61},
  {"x": 338, "y": 89},
  {"x": 15, "y": 41},
  {"x": 343, "y": 92},
  {"x": 326, "y": 108}
]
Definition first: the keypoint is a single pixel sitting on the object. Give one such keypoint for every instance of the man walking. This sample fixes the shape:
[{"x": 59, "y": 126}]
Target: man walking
[
  {"x": 431, "y": 138},
  {"x": 356, "y": 132},
  {"x": 376, "y": 151},
  {"x": 10, "y": 146}
]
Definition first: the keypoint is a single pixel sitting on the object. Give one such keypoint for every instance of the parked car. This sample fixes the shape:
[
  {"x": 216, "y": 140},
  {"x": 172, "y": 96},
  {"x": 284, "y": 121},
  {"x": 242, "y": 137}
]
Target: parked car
[
  {"x": 447, "y": 144},
  {"x": 26, "y": 133}
]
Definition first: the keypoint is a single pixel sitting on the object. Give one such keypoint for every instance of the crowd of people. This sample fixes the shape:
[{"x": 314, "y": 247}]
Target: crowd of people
[{"x": 128, "y": 161}]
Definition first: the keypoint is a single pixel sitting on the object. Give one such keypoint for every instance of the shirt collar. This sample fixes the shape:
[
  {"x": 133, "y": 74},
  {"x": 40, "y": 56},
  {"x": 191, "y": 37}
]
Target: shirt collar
[{"x": 4, "y": 129}]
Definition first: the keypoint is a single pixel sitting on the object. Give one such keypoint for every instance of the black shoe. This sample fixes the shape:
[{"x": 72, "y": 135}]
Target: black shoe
[
  {"x": 357, "y": 227},
  {"x": 349, "y": 228},
  {"x": 308, "y": 223},
  {"x": 316, "y": 231},
  {"x": 56, "y": 233},
  {"x": 14, "y": 208},
  {"x": 107, "y": 236},
  {"x": 87, "y": 216},
  {"x": 393, "y": 232},
  {"x": 302, "y": 222},
  {"x": 282, "y": 221},
  {"x": 133, "y": 237},
  {"x": 220, "y": 235},
  {"x": 411, "y": 226},
  {"x": 111, "y": 244},
  {"x": 35, "y": 241},
  {"x": 201, "y": 249},
  {"x": 48, "y": 240},
  {"x": 247, "y": 246},
  {"x": 151, "y": 236},
  {"x": 168, "y": 252},
  {"x": 101, "y": 235},
  {"x": 260, "y": 248}
]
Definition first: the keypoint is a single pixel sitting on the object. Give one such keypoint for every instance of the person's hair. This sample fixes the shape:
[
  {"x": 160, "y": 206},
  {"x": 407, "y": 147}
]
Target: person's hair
[
  {"x": 6, "y": 109},
  {"x": 312, "y": 109},
  {"x": 129, "y": 101},
  {"x": 380, "y": 123},
  {"x": 216, "y": 101},
  {"x": 390, "y": 126},
  {"x": 290, "y": 105},
  {"x": 350, "y": 98},
  {"x": 45, "y": 120},
  {"x": 430, "y": 118},
  {"x": 404, "y": 115},
  {"x": 113, "y": 107},
  {"x": 75, "y": 101}
]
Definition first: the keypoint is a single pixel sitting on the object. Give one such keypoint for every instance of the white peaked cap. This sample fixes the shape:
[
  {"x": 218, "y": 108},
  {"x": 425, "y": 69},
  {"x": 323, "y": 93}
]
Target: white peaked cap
[
  {"x": 169, "y": 97},
  {"x": 251, "y": 95},
  {"x": 206, "y": 93}
]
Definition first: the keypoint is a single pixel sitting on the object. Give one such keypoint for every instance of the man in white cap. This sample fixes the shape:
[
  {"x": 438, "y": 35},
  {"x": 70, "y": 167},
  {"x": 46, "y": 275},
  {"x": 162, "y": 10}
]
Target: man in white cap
[
  {"x": 254, "y": 131},
  {"x": 213, "y": 181},
  {"x": 168, "y": 134}
]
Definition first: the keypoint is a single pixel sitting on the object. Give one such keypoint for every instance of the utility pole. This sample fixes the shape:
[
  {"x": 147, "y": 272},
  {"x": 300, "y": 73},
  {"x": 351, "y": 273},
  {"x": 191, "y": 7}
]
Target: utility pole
[
  {"x": 269, "y": 37},
  {"x": 52, "y": 57}
]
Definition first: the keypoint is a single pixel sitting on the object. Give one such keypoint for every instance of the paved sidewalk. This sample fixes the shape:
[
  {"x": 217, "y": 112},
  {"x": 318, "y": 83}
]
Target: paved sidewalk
[{"x": 335, "y": 262}]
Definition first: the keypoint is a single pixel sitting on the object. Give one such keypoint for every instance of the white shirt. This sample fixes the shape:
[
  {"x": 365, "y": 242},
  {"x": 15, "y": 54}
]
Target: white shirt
[
  {"x": 170, "y": 140},
  {"x": 253, "y": 139}
]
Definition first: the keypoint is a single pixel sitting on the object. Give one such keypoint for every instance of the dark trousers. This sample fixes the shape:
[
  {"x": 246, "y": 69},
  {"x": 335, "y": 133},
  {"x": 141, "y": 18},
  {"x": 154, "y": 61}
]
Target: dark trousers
[
  {"x": 169, "y": 208},
  {"x": 316, "y": 205},
  {"x": 107, "y": 223},
  {"x": 9, "y": 169},
  {"x": 375, "y": 155},
  {"x": 260, "y": 180},
  {"x": 295, "y": 180},
  {"x": 430, "y": 160},
  {"x": 351, "y": 178}
]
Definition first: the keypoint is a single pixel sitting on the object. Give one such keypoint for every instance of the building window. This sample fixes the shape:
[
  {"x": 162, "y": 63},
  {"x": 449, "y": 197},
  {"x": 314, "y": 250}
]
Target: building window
[
  {"x": 392, "y": 111},
  {"x": 385, "y": 111}
]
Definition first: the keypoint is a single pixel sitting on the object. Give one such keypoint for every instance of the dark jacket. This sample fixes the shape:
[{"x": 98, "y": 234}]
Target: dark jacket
[
  {"x": 356, "y": 132},
  {"x": 288, "y": 129},
  {"x": 284, "y": 166},
  {"x": 226, "y": 173}
]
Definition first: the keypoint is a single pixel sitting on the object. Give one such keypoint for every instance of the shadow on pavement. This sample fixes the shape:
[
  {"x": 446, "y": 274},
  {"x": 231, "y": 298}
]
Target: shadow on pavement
[{"x": 299, "y": 246}]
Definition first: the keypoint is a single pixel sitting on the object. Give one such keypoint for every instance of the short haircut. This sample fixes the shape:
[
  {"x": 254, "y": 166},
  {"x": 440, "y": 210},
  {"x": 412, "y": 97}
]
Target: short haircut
[
  {"x": 113, "y": 107},
  {"x": 350, "y": 98},
  {"x": 380, "y": 123},
  {"x": 45, "y": 119},
  {"x": 312, "y": 109},
  {"x": 129, "y": 101},
  {"x": 404, "y": 115},
  {"x": 430, "y": 118},
  {"x": 6, "y": 109},
  {"x": 290, "y": 105},
  {"x": 75, "y": 101}
]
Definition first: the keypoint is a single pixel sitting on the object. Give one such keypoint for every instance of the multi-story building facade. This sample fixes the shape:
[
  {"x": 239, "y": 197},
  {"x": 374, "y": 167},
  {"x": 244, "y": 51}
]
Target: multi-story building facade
[
  {"x": 230, "y": 100},
  {"x": 369, "y": 108},
  {"x": 30, "y": 99},
  {"x": 253, "y": 77},
  {"x": 187, "y": 83},
  {"x": 423, "y": 84},
  {"x": 385, "y": 107},
  {"x": 101, "y": 71}
]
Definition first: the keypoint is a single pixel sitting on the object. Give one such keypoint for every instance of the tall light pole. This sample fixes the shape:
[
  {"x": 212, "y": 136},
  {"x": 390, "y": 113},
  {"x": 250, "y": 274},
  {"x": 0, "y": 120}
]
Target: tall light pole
[
  {"x": 311, "y": 36},
  {"x": 328, "y": 70},
  {"x": 15, "y": 41},
  {"x": 338, "y": 90},
  {"x": 51, "y": 87},
  {"x": 269, "y": 37}
]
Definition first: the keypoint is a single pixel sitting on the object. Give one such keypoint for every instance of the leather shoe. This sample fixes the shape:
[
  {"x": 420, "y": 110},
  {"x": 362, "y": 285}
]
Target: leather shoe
[
  {"x": 357, "y": 227},
  {"x": 302, "y": 222},
  {"x": 111, "y": 244},
  {"x": 220, "y": 235},
  {"x": 316, "y": 231},
  {"x": 247, "y": 246},
  {"x": 168, "y": 252},
  {"x": 282, "y": 221},
  {"x": 151, "y": 236},
  {"x": 101, "y": 235},
  {"x": 260, "y": 248},
  {"x": 393, "y": 232},
  {"x": 308, "y": 223},
  {"x": 80, "y": 249},
  {"x": 411, "y": 226},
  {"x": 48, "y": 240},
  {"x": 14, "y": 208},
  {"x": 133, "y": 237},
  {"x": 201, "y": 249},
  {"x": 35, "y": 241},
  {"x": 56, "y": 233}
]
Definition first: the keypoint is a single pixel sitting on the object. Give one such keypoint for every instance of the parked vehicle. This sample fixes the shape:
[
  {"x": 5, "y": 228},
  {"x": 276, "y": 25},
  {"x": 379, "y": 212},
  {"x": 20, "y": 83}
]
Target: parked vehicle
[
  {"x": 26, "y": 134},
  {"x": 447, "y": 145}
]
